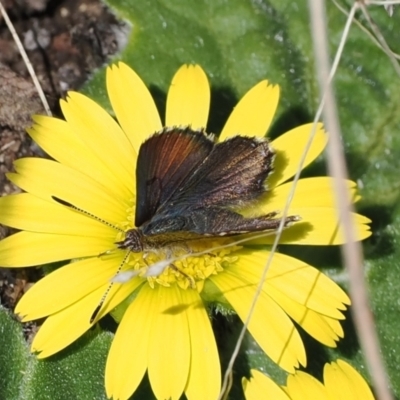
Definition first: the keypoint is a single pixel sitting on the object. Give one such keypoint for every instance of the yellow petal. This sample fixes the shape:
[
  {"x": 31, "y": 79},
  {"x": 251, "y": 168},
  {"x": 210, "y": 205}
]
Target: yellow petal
[
  {"x": 65, "y": 145},
  {"x": 132, "y": 103},
  {"x": 27, "y": 212},
  {"x": 318, "y": 226},
  {"x": 317, "y": 325},
  {"x": 169, "y": 344},
  {"x": 289, "y": 150},
  {"x": 310, "y": 192},
  {"x": 302, "y": 386},
  {"x": 303, "y": 292},
  {"x": 65, "y": 286},
  {"x": 253, "y": 114},
  {"x": 69, "y": 284},
  {"x": 25, "y": 249},
  {"x": 313, "y": 323},
  {"x": 205, "y": 370},
  {"x": 64, "y": 327},
  {"x": 343, "y": 382},
  {"x": 103, "y": 136},
  {"x": 46, "y": 178},
  {"x": 261, "y": 386},
  {"x": 335, "y": 326},
  {"x": 128, "y": 355},
  {"x": 61, "y": 329},
  {"x": 304, "y": 284},
  {"x": 270, "y": 326},
  {"x": 188, "y": 100}
]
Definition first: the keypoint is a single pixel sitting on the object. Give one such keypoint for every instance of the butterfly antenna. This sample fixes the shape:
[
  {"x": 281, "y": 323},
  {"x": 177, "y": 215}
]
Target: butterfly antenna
[
  {"x": 70, "y": 205},
  {"x": 106, "y": 293}
]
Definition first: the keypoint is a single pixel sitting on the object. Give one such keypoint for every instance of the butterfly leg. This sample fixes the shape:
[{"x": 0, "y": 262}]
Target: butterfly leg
[
  {"x": 169, "y": 255},
  {"x": 192, "y": 282}
]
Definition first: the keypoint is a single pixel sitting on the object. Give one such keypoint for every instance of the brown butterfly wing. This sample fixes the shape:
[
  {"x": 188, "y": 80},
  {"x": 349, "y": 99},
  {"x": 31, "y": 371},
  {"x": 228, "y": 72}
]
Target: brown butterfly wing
[
  {"x": 234, "y": 172},
  {"x": 165, "y": 162}
]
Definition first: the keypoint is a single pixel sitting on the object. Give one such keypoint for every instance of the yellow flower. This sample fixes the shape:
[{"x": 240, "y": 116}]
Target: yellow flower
[
  {"x": 166, "y": 329},
  {"x": 341, "y": 382}
]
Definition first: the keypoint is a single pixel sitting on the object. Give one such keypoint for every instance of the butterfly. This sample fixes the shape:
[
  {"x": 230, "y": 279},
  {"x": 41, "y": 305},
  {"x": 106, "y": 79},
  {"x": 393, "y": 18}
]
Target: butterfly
[{"x": 189, "y": 187}]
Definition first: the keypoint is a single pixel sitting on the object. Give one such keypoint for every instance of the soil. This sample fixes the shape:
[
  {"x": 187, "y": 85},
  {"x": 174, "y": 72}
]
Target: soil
[{"x": 65, "y": 40}]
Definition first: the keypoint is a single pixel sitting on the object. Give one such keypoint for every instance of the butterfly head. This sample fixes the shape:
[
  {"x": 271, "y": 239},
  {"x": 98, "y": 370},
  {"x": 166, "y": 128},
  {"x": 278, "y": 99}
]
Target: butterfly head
[{"x": 133, "y": 241}]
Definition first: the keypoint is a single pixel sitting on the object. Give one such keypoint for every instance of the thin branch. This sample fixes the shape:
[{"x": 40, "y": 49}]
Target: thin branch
[
  {"x": 24, "y": 56},
  {"x": 381, "y": 39},
  {"x": 382, "y": 2},
  {"x": 365, "y": 30}
]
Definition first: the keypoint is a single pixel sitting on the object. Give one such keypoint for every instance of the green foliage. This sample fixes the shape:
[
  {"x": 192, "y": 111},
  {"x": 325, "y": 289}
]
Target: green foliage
[
  {"x": 75, "y": 373},
  {"x": 14, "y": 357}
]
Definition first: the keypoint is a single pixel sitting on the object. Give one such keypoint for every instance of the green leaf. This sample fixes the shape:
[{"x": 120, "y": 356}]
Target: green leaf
[
  {"x": 75, "y": 373},
  {"x": 13, "y": 356}
]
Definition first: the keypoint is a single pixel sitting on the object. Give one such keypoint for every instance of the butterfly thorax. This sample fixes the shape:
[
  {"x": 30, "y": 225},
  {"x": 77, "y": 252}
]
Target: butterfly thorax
[{"x": 137, "y": 241}]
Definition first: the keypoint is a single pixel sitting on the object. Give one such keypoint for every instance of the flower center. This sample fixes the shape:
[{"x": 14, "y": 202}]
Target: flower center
[{"x": 191, "y": 262}]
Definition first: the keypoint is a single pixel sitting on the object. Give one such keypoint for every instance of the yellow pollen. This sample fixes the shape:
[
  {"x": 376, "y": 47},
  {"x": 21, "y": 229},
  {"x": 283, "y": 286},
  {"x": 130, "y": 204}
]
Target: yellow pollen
[{"x": 185, "y": 269}]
